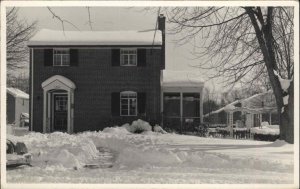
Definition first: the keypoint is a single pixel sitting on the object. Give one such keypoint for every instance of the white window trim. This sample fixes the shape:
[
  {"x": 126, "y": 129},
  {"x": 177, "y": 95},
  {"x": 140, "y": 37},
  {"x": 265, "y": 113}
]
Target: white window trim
[
  {"x": 135, "y": 49},
  {"x": 128, "y": 104},
  {"x": 60, "y": 65}
]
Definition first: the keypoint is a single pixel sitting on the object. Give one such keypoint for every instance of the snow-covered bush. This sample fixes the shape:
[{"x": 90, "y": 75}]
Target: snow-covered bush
[
  {"x": 265, "y": 132},
  {"x": 141, "y": 126},
  {"x": 202, "y": 130},
  {"x": 138, "y": 126}
]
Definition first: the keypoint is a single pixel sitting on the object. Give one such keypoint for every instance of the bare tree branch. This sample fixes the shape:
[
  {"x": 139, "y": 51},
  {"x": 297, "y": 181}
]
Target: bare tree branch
[
  {"x": 18, "y": 32},
  {"x": 62, "y": 20}
]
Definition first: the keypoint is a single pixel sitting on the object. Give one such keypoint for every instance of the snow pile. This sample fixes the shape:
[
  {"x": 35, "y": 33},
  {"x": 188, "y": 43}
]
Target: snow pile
[
  {"x": 279, "y": 143},
  {"x": 58, "y": 149},
  {"x": 266, "y": 130},
  {"x": 138, "y": 126},
  {"x": 158, "y": 129},
  {"x": 116, "y": 130},
  {"x": 140, "y": 158}
]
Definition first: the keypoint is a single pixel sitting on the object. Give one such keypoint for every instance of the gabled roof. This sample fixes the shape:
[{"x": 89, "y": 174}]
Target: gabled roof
[
  {"x": 46, "y": 37},
  {"x": 182, "y": 79},
  {"x": 17, "y": 93}
]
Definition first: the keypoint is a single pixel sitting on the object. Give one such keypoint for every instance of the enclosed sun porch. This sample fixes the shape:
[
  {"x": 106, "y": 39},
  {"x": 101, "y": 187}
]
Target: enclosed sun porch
[{"x": 181, "y": 101}]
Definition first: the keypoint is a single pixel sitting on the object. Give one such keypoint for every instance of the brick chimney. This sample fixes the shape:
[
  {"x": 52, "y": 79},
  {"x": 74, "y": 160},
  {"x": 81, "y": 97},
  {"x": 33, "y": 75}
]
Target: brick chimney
[{"x": 161, "y": 20}]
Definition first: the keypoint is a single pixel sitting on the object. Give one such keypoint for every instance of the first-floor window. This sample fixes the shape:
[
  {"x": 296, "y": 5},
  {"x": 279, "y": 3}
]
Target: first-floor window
[
  {"x": 61, "y": 57},
  {"x": 128, "y": 103}
]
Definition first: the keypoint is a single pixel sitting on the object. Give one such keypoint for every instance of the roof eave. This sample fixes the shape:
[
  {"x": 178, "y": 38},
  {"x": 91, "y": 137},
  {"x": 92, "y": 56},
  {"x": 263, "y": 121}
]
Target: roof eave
[{"x": 87, "y": 46}]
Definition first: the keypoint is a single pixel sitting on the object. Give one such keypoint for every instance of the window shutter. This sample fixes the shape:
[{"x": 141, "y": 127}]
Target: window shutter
[
  {"x": 73, "y": 57},
  {"x": 115, "y": 57},
  {"x": 115, "y": 104},
  {"x": 48, "y": 57},
  {"x": 141, "y": 97},
  {"x": 141, "y": 57}
]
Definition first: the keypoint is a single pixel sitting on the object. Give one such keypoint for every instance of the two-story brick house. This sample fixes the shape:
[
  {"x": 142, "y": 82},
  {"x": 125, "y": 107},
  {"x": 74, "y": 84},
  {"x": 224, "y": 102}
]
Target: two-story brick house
[{"x": 89, "y": 80}]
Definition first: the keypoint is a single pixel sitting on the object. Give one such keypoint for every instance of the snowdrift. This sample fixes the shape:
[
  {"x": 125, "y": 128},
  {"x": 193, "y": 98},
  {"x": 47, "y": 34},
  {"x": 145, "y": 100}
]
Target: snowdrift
[
  {"x": 266, "y": 130},
  {"x": 150, "y": 157},
  {"x": 132, "y": 151}
]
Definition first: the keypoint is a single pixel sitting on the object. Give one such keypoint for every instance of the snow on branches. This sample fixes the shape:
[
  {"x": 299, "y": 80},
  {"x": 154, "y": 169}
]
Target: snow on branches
[{"x": 285, "y": 83}]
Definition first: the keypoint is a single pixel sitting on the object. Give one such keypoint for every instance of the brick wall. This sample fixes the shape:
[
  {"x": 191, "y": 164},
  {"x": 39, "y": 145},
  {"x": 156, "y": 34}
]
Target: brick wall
[{"x": 95, "y": 80}]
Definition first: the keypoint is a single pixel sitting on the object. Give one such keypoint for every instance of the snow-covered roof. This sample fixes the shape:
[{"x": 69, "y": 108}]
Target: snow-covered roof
[
  {"x": 260, "y": 102},
  {"x": 46, "y": 37},
  {"x": 17, "y": 93},
  {"x": 228, "y": 106},
  {"x": 182, "y": 79}
]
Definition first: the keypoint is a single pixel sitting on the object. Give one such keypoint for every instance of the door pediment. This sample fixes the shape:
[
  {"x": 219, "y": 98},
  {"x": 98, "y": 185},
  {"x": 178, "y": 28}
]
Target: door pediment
[{"x": 58, "y": 82}]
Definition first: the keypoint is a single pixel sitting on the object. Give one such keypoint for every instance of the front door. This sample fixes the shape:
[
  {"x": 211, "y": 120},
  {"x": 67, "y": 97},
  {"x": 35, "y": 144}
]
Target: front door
[{"x": 60, "y": 112}]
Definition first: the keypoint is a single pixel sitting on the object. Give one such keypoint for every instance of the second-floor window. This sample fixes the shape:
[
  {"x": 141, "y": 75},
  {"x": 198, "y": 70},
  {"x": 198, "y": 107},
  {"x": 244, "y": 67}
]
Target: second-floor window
[
  {"x": 128, "y": 57},
  {"x": 61, "y": 57}
]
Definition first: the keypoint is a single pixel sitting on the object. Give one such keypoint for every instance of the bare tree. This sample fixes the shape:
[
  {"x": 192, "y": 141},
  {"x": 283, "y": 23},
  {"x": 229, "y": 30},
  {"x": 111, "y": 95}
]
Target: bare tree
[
  {"x": 18, "y": 33},
  {"x": 241, "y": 44},
  {"x": 20, "y": 81}
]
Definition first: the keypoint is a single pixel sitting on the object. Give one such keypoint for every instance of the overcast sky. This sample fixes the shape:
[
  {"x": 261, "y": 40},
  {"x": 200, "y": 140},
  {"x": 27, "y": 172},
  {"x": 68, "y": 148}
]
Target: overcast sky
[{"x": 117, "y": 18}]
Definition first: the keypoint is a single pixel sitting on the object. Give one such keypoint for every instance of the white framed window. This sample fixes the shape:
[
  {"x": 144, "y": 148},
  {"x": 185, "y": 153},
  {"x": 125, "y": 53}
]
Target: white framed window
[
  {"x": 61, "y": 57},
  {"x": 128, "y": 57},
  {"x": 128, "y": 103}
]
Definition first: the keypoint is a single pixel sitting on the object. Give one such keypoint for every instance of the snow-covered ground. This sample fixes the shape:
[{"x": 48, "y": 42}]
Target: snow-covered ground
[{"x": 152, "y": 158}]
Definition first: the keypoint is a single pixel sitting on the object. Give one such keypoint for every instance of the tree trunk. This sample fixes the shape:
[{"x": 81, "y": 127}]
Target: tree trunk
[
  {"x": 265, "y": 39},
  {"x": 287, "y": 118}
]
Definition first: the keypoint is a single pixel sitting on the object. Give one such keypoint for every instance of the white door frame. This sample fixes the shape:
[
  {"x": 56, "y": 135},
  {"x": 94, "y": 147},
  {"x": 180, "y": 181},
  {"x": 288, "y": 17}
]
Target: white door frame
[
  {"x": 52, "y": 106},
  {"x": 53, "y": 83}
]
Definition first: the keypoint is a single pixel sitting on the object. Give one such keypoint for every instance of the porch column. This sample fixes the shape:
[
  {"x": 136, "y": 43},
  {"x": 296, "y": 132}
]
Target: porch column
[
  {"x": 270, "y": 118},
  {"x": 181, "y": 110},
  {"x": 201, "y": 108},
  {"x": 162, "y": 108},
  {"x": 260, "y": 119},
  {"x": 231, "y": 123},
  {"x": 44, "y": 111},
  {"x": 69, "y": 112}
]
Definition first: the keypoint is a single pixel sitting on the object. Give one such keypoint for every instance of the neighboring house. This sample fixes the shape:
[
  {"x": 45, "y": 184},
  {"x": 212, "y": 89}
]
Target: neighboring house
[
  {"x": 88, "y": 80},
  {"x": 252, "y": 111},
  {"x": 17, "y": 105}
]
